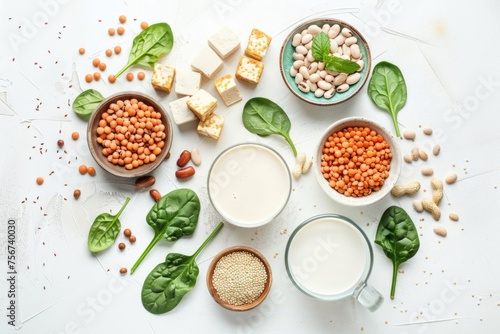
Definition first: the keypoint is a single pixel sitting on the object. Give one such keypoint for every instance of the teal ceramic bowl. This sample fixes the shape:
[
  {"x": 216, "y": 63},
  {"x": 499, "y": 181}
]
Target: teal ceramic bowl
[{"x": 286, "y": 63}]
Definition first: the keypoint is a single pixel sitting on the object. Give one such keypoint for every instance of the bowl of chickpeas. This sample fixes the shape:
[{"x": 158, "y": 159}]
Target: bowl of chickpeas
[
  {"x": 129, "y": 134},
  {"x": 357, "y": 161},
  {"x": 316, "y": 81}
]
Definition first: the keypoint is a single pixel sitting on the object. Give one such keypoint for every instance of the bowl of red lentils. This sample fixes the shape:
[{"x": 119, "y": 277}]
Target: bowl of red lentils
[
  {"x": 239, "y": 278},
  {"x": 357, "y": 162},
  {"x": 129, "y": 134}
]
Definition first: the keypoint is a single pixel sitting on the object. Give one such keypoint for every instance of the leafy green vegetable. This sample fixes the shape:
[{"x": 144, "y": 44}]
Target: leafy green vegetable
[
  {"x": 173, "y": 216},
  {"x": 321, "y": 52},
  {"x": 387, "y": 89},
  {"x": 170, "y": 281},
  {"x": 104, "y": 230},
  {"x": 147, "y": 47},
  {"x": 264, "y": 117},
  {"x": 398, "y": 237},
  {"x": 86, "y": 102}
]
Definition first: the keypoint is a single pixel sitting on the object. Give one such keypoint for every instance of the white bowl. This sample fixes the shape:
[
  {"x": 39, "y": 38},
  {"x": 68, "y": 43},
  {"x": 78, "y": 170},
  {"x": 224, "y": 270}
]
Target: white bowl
[{"x": 395, "y": 165}]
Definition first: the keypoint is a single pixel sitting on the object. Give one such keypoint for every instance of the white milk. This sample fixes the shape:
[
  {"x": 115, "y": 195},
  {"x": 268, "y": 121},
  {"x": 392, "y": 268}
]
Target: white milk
[
  {"x": 249, "y": 185},
  {"x": 327, "y": 256}
]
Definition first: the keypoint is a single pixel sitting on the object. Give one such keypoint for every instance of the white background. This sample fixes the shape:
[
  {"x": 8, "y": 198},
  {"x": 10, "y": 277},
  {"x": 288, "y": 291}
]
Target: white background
[{"x": 447, "y": 51}]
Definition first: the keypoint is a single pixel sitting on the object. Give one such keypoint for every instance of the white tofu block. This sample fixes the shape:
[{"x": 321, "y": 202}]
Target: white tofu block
[
  {"x": 225, "y": 42},
  {"x": 207, "y": 62},
  {"x": 211, "y": 127},
  {"x": 187, "y": 82},
  {"x": 202, "y": 104},
  {"x": 258, "y": 42},
  {"x": 249, "y": 70},
  {"x": 180, "y": 111},
  {"x": 226, "y": 87},
  {"x": 163, "y": 77}
]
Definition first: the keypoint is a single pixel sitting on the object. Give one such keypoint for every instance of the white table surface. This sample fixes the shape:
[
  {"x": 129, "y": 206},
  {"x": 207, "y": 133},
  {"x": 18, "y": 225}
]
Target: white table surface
[{"x": 448, "y": 53}]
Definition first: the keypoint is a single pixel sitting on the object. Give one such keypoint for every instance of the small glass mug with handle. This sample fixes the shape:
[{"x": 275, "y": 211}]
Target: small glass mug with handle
[{"x": 330, "y": 258}]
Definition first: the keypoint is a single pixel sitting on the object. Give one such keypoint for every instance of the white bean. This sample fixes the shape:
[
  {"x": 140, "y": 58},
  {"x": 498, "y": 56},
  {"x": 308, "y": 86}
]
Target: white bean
[
  {"x": 355, "y": 53},
  {"x": 319, "y": 92},
  {"x": 313, "y": 29},
  {"x": 339, "y": 79},
  {"x": 310, "y": 57},
  {"x": 324, "y": 85},
  {"x": 346, "y": 32},
  {"x": 334, "y": 31},
  {"x": 312, "y": 86},
  {"x": 298, "y": 56},
  {"x": 353, "y": 78},
  {"x": 407, "y": 158},
  {"x": 333, "y": 46},
  {"x": 325, "y": 28},
  {"x": 309, "y": 45},
  {"x": 441, "y": 231},
  {"x": 299, "y": 78},
  {"x": 313, "y": 68},
  {"x": 329, "y": 78},
  {"x": 347, "y": 57},
  {"x": 427, "y": 171},
  {"x": 417, "y": 205},
  {"x": 340, "y": 39},
  {"x": 329, "y": 94},
  {"x": 361, "y": 64},
  {"x": 298, "y": 64},
  {"x": 342, "y": 88},
  {"x": 350, "y": 41},
  {"x": 296, "y": 40},
  {"x": 301, "y": 49},
  {"x": 304, "y": 87},
  {"x": 321, "y": 66},
  {"x": 409, "y": 134},
  {"x": 323, "y": 74},
  {"x": 315, "y": 77},
  {"x": 346, "y": 50},
  {"x": 306, "y": 38},
  {"x": 196, "y": 156},
  {"x": 305, "y": 73},
  {"x": 293, "y": 71}
]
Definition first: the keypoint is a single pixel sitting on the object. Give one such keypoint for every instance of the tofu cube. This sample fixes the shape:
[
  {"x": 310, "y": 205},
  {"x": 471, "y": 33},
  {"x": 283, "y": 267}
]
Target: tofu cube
[
  {"x": 202, "y": 104},
  {"x": 258, "y": 42},
  {"x": 180, "y": 111},
  {"x": 249, "y": 70},
  {"x": 224, "y": 42},
  {"x": 187, "y": 82},
  {"x": 207, "y": 62},
  {"x": 226, "y": 87},
  {"x": 211, "y": 127},
  {"x": 163, "y": 77}
]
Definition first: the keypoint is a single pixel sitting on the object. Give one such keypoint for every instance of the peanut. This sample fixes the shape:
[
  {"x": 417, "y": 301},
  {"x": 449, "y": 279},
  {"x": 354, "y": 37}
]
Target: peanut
[
  {"x": 184, "y": 158},
  {"x": 144, "y": 182},
  {"x": 441, "y": 231},
  {"x": 307, "y": 165},
  {"x": 427, "y": 131},
  {"x": 437, "y": 194},
  {"x": 453, "y": 216},
  {"x": 422, "y": 155},
  {"x": 427, "y": 171},
  {"x": 407, "y": 158},
  {"x": 408, "y": 134},
  {"x": 196, "y": 156},
  {"x": 436, "y": 149},
  {"x": 432, "y": 208},
  {"x": 452, "y": 178},
  {"x": 405, "y": 189},
  {"x": 155, "y": 194},
  {"x": 417, "y": 205},
  {"x": 299, "y": 164},
  {"x": 185, "y": 172},
  {"x": 415, "y": 153}
]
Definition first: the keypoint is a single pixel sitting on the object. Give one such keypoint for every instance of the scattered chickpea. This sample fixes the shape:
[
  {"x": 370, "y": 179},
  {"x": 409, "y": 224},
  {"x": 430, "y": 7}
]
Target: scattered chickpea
[
  {"x": 96, "y": 62},
  {"x": 144, "y": 25},
  {"x": 130, "y": 76},
  {"x": 97, "y": 76},
  {"x": 123, "y": 271},
  {"x": 39, "y": 180},
  {"x": 120, "y": 30},
  {"x": 60, "y": 143},
  {"x": 102, "y": 66},
  {"x": 122, "y": 18},
  {"x": 111, "y": 31},
  {"x": 109, "y": 53},
  {"x": 132, "y": 239},
  {"x": 81, "y": 51},
  {"x": 117, "y": 49},
  {"x": 127, "y": 232},
  {"x": 121, "y": 246},
  {"x": 83, "y": 169},
  {"x": 141, "y": 75},
  {"x": 111, "y": 78},
  {"x": 89, "y": 78},
  {"x": 77, "y": 193},
  {"x": 91, "y": 171},
  {"x": 75, "y": 135}
]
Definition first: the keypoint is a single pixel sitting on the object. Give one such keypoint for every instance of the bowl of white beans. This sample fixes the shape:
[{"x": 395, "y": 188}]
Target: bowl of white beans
[
  {"x": 309, "y": 79},
  {"x": 129, "y": 134}
]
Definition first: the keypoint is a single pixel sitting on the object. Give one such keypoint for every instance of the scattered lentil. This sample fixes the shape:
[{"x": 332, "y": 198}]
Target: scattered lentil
[
  {"x": 81, "y": 51},
  {"x": 141, "y": 75},
  {"x": 109, "y": 53},
  {"x": 117, "y": 49},
  {"x": 97, "y": 76},
  {"x": 96, "y": 62},
  {"x": 122, "y": 18},
  {"x": 130, "y": 76},
  {"x": 120, "y": 30},
  {"x": 102, "y": 66},
  {"x": 111, "y": 78},
  {"x": 239, "y": 278},
  {"x": 89, "y": 77},
  {"x": 75, "y": 135},
  {"x": 83, "y": 169},
  {"x": 111, "y": 31},
  {"x": 91, "y": 171},
  {"x": 144, "y": 25},
  {"x": 39, "y": 180}
]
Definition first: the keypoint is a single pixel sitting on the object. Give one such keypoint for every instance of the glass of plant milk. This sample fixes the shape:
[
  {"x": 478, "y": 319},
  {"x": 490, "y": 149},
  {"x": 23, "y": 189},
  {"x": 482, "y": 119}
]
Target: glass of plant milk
[
  {"x": 329, "y": 257},
  {"x": 249, "y": 184}
]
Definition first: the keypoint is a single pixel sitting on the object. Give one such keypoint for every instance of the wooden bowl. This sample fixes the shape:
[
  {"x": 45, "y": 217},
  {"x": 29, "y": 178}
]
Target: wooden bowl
[
  {"x": 96, "y": 148},
  {"x": 213, "y": 291}
]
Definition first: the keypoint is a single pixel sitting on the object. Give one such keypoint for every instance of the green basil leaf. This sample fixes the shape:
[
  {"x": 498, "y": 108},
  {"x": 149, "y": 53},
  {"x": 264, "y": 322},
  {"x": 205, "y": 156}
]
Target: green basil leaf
[
  {"x": 321, "y": 46},
  {"x": 341, "y": 65},
  {"x": 173, "y": 216},
  {"x": 398, "y": 237},
  {"x": 264, "y": 117},
  {"x": 86, "y": 102},
  {"x": 104, "y": 230},
  {"x": 147, "y": 47},
  {"x": 387, "y": 89},
  {"x": 170, "y": 281}
]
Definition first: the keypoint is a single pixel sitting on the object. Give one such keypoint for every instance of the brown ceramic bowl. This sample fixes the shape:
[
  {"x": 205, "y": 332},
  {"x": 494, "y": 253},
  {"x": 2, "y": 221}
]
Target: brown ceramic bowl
[
  {"x": 96, "y": 148},
  {"x": 213, "y": 291}
]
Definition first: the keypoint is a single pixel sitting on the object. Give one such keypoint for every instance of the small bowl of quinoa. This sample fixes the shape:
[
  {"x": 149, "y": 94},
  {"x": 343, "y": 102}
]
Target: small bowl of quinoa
[
  {"x": 357, "y": 161},
  {"x": 129, "y": 134},
  {"x": 239, "y": 278}
]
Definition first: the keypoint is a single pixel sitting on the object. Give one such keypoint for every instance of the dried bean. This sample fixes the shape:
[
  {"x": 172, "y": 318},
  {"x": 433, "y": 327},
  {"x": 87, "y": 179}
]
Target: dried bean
[
  {"x": 452, "y": 178},
  {"x": 155, "y": 194},
  {"x": 427, "y": 171},
  {"x": 144, "y": 182},
  {"x": 196, "y": 156},
  {"x": 454, "y": 217},
  {"x": 441, "y": 231},
  {"x": 184, "y": 158},
  {"x": 417, "y": 205},
  {"x": 436, "y": 149},
  {"x": 185, "y": 172},
  {"x": 409, "y": 134},
  {"x": 427, "y": 131}
]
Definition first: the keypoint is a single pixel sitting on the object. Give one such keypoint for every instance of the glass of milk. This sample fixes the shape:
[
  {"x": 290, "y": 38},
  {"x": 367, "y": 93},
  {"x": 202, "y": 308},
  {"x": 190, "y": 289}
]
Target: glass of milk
[
  {"x": 330, "y": 258},
  {"x": 249, "y": 184}
]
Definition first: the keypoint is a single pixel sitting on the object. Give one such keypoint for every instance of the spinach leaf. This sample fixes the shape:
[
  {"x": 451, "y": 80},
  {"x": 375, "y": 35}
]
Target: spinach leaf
[
  {"x": 398, "y": 237},
  {"x": 170, "y": 281},
  {"x": 86, "y": 102},
  {"x": 104, "y": 230},
  {"x": 173, "y": 216},
  {"x": 264, "y": 117},
  {"x": 321, "y": 52},
  {"x": 147, "y": 47},
  {"x": 387, "y": 89}
]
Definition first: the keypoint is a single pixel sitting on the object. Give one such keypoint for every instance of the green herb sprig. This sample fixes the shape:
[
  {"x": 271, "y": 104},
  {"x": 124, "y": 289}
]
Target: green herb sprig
[{"x": 321, "y": 52}]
